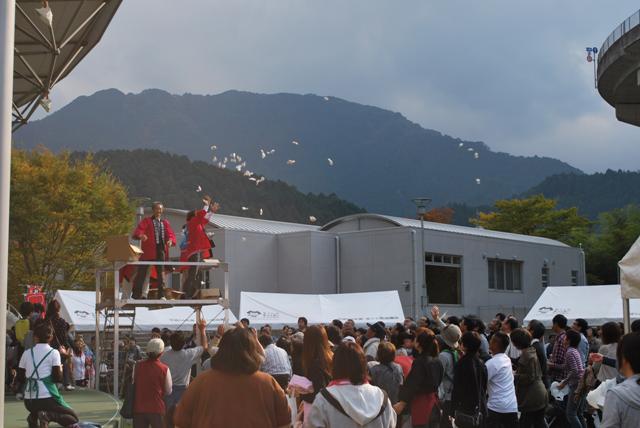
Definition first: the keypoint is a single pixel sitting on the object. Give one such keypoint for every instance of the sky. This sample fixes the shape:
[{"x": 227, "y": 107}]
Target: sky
[{"x": 512, "y": 74}]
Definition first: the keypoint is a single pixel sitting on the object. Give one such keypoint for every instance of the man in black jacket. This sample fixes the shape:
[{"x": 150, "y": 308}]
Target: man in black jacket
[{"x": 470, "y": 380}]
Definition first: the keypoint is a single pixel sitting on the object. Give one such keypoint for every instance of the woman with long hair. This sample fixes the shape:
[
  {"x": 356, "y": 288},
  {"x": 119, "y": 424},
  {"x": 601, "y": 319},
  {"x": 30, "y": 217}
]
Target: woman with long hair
[
  {"x": 234, "y": 393},
  {"x": 60, "y": 340},
  {"x": 611, "y": 334},
  {"x": 316, "y": 361},
  {"x": 420, "y": 389}
]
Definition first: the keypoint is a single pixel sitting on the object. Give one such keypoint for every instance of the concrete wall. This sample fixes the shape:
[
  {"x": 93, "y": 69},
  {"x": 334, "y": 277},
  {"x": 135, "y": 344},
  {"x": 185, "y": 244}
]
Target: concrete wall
[
  {"x": 379, "y": 260},
  {"x": 375, "y": 255},
  {"x": 294, "y": 263},
  {"x": 252, "y": 259},
  {"x": 306, "y": 263},
  {"x": 476, "y": 295}
]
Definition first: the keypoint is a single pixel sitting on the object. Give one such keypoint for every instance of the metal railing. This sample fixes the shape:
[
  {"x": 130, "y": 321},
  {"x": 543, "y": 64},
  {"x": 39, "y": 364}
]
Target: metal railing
[{"x": 626, "y": 26}]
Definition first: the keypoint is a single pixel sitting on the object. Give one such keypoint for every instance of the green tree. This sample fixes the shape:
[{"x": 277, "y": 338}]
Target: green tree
[
  {"x": 617, "y": 230},
  {"x": 62, "y": 210},
  {"x": 537, "y": 216}
]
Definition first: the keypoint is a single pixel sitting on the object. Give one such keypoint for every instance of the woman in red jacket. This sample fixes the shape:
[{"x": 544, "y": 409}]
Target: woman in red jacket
[{"x": 198, "y": 243}]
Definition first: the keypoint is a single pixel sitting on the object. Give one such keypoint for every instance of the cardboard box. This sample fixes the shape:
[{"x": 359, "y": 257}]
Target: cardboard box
[
  {"x": 169, "y": 294},
  {"x": 208, "y": 293},
  {"x": 120, "y": 250},
  {"x": 107, "y": 295}
]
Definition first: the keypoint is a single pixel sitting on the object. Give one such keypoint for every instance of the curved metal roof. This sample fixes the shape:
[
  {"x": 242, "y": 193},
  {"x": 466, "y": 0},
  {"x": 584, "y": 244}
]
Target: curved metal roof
[
  {"x": 46, "y": 51},
  {"x": 449, "y": 228},
  {"x": 246, "y": 224}
]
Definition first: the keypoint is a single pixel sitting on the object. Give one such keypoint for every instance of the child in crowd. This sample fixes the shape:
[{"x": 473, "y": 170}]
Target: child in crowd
[{"x": 80, "y": 365}]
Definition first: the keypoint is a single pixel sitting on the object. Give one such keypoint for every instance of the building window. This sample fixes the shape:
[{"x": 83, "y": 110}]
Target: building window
[
  {"x": 545, "y": 276},
  {"x": 574, "y": 277},
  {"x": 505, "y": 275},
  {"x": 443, "y": 276}
]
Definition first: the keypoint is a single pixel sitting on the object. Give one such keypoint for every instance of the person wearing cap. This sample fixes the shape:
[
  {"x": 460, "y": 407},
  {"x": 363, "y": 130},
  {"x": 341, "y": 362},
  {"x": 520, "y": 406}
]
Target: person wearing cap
[
  {"x": 448, "y": 356},
  {"x": 152, "y": 381},
  {"x": 374, "y": 335}
]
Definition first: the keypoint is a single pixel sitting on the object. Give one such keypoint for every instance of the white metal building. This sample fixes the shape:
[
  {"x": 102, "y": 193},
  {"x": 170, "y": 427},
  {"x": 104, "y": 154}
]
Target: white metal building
[{"x": 468, "y": 270}]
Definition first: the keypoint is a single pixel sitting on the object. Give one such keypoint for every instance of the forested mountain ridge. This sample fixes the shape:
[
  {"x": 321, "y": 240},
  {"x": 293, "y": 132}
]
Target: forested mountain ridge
[
  {"x": 591, "y": 193},
  {"x": 380, "y": 159},
  {"x": 174, "y": 180}
]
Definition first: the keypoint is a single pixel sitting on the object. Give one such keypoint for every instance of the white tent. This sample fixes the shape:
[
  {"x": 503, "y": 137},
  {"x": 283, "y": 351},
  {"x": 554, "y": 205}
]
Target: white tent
[
  {"x": 630, "y": 272},
  {"x": 78, "y": 309},
  {"x": 597, "y": 304},
  {"x": 279, "y": 308}
]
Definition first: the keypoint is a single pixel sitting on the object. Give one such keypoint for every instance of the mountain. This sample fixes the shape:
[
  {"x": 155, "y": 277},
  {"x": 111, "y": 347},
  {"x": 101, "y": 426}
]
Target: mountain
[
  {"x": 382, "y": 160},
  {"x": 592, "y": 193},
  {"x": 174, "y": 180}
]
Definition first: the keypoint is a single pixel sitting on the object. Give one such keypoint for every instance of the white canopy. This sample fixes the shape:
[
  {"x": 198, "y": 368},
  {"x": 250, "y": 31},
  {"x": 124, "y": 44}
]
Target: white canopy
[
  {"x": 597, "y": 304},
  {"x": 78, "y": 309},
  {"x": 630, "y": 272},
  {"x": 278, "y": 308}
]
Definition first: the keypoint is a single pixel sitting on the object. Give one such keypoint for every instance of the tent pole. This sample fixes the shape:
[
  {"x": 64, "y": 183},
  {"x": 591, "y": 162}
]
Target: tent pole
[
  {"x": 96, "y": 351},
  {"x": 626, "y": 315},
  {"x": 7, "y": 28}
]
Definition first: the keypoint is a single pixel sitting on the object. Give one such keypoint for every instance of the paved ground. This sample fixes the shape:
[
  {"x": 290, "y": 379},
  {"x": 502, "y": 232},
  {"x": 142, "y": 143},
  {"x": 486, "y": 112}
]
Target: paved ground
[{"x": 90, "y": 405}]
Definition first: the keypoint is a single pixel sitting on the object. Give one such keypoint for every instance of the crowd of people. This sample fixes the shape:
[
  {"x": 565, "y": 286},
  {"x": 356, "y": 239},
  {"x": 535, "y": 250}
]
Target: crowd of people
[
  {"x": 453, "y": 372},
  {"x": 425, "y": 373}
]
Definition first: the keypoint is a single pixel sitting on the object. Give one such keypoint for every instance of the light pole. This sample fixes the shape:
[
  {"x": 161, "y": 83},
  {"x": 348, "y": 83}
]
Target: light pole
[
  {"x": 7, "y": 28},
  {"x": 421, "y": 205}
]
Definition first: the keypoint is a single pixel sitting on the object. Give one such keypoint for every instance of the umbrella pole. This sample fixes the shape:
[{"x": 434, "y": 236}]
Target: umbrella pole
[{"x": 7, "y": 28}]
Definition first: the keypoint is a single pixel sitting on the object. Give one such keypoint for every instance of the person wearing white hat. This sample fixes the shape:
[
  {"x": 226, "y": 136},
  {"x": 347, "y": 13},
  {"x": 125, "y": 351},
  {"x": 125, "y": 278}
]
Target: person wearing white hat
[{"x": 152, "y": 380}]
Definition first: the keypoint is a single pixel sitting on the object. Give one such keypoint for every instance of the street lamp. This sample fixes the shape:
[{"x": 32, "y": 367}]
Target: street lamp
[{"x": 421, "y": 205}]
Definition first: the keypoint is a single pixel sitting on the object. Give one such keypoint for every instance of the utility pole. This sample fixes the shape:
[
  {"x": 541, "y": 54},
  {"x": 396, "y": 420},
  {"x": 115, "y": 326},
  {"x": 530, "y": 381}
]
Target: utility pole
[{"x": 421, "y": 206}]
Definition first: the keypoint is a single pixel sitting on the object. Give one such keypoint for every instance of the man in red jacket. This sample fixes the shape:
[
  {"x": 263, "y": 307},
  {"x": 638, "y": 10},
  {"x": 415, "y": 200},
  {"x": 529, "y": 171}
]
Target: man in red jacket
[
  {"x": 157, "y": 236},
  {"x": 198, "y": 246}
]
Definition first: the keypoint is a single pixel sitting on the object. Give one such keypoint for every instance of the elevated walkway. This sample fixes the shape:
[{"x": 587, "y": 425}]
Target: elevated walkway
[{"x": 619, "y": 70}]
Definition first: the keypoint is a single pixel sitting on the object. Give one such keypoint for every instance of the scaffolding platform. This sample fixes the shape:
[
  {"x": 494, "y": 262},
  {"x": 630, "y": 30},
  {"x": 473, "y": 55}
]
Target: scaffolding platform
[{"x": 112, "y": 303}]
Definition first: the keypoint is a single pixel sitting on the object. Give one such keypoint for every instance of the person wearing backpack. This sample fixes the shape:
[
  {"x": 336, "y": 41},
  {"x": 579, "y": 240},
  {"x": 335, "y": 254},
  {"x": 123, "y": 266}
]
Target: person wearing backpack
[
  {"x": 349, "y": 401},
  {"x": 449, "y": 356}
]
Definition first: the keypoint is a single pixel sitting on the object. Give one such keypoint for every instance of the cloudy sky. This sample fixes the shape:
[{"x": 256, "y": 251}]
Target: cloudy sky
[{"x": 510, "y": 73}]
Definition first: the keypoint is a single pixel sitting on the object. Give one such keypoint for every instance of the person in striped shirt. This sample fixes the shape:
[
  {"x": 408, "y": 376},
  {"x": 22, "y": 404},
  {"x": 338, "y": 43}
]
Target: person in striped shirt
[{"x": 574, "y": 370}]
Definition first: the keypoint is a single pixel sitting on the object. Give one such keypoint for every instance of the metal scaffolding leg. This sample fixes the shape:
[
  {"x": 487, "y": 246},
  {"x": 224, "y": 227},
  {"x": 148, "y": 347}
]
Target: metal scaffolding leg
[
  {"x": 226, "y": 296},
  {"x": 116, "y": 331},
  {"x": 96, "y": 350}
]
